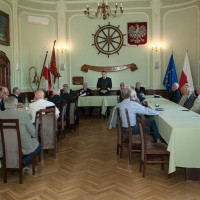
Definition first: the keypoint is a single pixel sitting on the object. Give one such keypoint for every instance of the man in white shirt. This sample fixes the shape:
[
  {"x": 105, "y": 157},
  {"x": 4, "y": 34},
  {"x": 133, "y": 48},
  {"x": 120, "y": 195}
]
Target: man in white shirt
[
  {"x": 39, "y": 104},
  {"x": 196, "y": 105}
]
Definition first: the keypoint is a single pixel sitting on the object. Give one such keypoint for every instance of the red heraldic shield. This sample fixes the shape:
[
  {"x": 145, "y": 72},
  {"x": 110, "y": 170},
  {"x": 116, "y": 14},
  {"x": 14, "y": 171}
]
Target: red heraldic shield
[{"x": 137, "y": 33}]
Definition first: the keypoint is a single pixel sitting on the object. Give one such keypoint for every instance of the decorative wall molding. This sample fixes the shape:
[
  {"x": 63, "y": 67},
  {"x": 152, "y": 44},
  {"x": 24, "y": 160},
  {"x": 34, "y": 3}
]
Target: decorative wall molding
[
  {"x": 132, "y": 67},
  {"x": 180, "y": 4}
]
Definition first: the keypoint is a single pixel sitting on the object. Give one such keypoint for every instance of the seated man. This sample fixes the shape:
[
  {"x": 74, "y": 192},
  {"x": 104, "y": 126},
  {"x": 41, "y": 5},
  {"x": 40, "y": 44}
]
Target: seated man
[
  {"x": 183, "y": 91},
  {"x": 67, "y": 94},
  {"x": 175, "y": 95},
  {"x": 104, "y": 85},
  {"x": 190, "y": 98},
  {"x": 39, "y": 104},
  {"x": 16, "y": 93},
  {"x": 2, "y": 108},
  {"x": 139, "y": 89},
  {"x": 66, "y": 88},
  {"x": 5, "y": 92},
  {"x": 119, "y": 91},
  {"x": 29, "y": 142},
  {"x": 85, "y": 91},
  {"x": 56, "y": 98},
  {"x": 133, "y": 109},
  {"x": 137, "y": 96},
  {"x": 196, "y": 105}
]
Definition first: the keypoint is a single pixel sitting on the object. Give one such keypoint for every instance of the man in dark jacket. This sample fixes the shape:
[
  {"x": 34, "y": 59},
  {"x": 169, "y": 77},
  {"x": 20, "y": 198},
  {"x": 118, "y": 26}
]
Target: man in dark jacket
[
  {"x": 139, "y": 89},
  {"x": 175, "y": 95},
  {"x": 56, "y": 98},
  {"x": 104, "y": 85},
  {"x": 16, "y": 94},
  {"x": 191, "y": 97},
  {"x": 66, "y": 88},
  {"x": 119, "y": 92},
  {"x": 85, "y": 91}
]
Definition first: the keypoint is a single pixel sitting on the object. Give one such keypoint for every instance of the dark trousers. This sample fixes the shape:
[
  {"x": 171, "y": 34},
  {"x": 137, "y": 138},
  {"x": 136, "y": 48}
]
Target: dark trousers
[{"x": 28, "y": 158}]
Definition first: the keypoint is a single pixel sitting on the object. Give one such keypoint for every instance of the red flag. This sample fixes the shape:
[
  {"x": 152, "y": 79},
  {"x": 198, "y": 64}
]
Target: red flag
[
  {"x": 53, "y": 68},
  {"x": 186, "y": 76},
  {"x": 46, "y": 74}
]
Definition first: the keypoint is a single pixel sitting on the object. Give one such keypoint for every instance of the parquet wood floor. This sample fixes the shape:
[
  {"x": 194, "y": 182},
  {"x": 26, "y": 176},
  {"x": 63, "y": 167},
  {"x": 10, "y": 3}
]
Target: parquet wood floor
[{"x": 87, "y": 168}]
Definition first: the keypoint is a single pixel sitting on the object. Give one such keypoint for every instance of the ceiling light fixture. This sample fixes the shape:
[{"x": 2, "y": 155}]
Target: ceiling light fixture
[{"x": 104, "y": 11}]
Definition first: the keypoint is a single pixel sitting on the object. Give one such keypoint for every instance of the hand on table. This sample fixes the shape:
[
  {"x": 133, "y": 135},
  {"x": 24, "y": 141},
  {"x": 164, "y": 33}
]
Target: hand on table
[{"x": 103, "y": 91}]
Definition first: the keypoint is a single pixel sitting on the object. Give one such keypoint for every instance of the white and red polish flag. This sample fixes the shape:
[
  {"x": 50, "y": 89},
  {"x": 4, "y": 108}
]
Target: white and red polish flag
[
  {"x": 186, "y": 76},
  {"x": 46, "y": 74}
]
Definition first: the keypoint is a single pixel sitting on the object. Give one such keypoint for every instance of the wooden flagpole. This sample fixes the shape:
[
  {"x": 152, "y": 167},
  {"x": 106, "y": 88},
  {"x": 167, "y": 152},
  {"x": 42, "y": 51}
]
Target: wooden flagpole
[{"x": 42, "y": 70}]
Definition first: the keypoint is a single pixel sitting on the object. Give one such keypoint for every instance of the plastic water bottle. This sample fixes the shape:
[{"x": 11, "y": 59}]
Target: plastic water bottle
[{"x": 26, "y": 104}]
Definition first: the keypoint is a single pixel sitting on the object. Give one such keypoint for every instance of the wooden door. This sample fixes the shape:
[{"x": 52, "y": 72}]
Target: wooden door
[{"x": 4, "y": 70}]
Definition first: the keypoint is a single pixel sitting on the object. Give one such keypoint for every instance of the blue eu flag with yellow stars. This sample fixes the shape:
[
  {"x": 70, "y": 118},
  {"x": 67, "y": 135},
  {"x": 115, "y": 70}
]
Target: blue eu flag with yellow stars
[{"x": 170, "y": 76}]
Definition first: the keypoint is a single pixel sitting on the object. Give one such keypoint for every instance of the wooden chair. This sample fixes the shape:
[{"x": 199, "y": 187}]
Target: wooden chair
[
  {"x": 48, "y": 131},
  {"x": 150, "y": 149},
  {"x": 72, "y": 105},
  {"x": 37, "y": 124},
  {"x": 122, "y": 140},
  {"x": 134, "y": 140},
  {"x": 12, "y": 157},
  {"x": 61, "y": 121}
]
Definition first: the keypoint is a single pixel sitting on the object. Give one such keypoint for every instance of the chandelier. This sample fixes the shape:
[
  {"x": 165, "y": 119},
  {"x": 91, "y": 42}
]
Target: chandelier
[{"x": 104, "y": 11}]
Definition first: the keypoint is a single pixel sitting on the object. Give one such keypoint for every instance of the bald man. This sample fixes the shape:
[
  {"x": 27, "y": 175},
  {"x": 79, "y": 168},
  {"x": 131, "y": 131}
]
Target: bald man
[{"x": 39, "y": 104}]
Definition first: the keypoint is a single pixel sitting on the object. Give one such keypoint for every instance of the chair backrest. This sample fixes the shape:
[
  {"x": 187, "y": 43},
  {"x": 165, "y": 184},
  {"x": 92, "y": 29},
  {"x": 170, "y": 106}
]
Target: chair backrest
[
  {"x": 119, "y": 127},
  {"x": 11, "y": 143},
  {"x": 50, "y": 107},
  {"x": 128, "y": 122},
  {"x": 72, "y": 111},
  {"x": 37, "y": 123},
  {"x": 62, "y": 109},
  {"x": 142, "y": 136},
  {"x": 48, "y": 128},
  {"x": 129, "y": 128}
]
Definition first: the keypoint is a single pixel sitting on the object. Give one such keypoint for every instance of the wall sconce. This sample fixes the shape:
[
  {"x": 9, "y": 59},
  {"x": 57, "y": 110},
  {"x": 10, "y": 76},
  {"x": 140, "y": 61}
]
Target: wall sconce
[
  {"x": 62, "y": 49},
  {"x": 35, "y": 79},
  {"x": 157, "y": 47}
]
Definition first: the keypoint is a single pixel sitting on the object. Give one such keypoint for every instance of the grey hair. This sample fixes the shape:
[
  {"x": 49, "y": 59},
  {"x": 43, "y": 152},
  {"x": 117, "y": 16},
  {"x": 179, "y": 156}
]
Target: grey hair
[
  {"x": 125, "y": 93},
  {"x": 66, "y": 90},
  {"x": 56, "y": 91},
  {"x": 177, "y": 85},
  {"x": 138, "y": 83},
  {"x": 10, "y": 102}
]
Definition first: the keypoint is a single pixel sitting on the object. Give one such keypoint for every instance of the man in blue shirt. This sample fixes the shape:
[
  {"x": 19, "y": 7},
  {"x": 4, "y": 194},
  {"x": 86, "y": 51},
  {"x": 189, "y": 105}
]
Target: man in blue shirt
[{"x": 134, "y": 108}]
